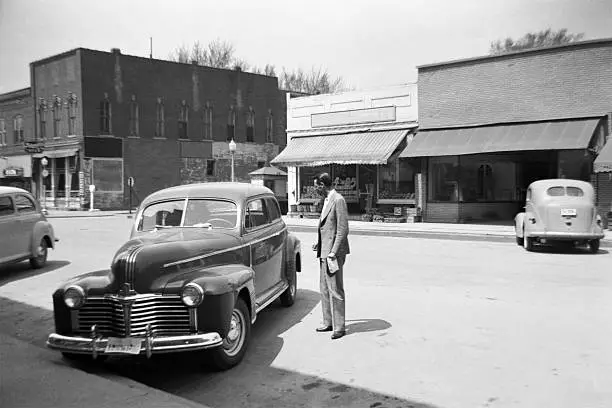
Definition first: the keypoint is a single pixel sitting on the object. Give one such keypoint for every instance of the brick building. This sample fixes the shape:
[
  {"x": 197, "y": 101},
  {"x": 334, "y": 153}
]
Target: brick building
[
  {"x": 489, "y": 126},
  {"x": 102, "y": 117},
  {"x": 16, "y": 126}
]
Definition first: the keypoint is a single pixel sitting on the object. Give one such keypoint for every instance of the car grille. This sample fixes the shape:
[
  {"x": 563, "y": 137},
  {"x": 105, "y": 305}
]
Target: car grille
[{"x": 112, "y": 316}]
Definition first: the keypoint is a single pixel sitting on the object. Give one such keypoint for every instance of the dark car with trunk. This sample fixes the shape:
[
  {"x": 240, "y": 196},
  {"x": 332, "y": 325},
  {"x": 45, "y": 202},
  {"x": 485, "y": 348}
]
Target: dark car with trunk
[{"x": 202, "y": 261}]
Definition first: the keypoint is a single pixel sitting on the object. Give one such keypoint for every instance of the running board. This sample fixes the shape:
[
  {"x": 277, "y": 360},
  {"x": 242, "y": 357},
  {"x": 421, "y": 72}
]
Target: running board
[{"x": 276, "y": 292}]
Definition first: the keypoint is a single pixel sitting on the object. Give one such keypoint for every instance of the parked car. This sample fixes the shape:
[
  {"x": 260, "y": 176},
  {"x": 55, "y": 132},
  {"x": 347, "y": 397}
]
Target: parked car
[
  {"x": 559, "y": 210},
  {"x": 25, "y": 232},
  {"x": 202, "y": 261}
]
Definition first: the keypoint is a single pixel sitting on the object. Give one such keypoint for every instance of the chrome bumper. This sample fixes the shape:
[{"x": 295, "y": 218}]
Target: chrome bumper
[
  {"x": 150, "y": 344},
  {"x": 568, "y": 236}
]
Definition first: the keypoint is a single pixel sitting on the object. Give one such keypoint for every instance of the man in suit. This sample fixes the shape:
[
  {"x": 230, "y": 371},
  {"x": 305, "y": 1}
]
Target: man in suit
[{"x": 332, "y": 244}]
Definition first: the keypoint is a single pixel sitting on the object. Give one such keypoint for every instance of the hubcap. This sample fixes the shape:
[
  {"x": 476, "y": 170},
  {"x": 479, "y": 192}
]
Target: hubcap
[{"x": 235, "y": 337}]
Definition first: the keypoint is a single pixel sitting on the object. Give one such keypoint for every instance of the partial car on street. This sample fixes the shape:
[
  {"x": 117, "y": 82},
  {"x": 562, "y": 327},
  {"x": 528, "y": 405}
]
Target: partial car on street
[
  {"x": 25, "y": 232},
  {"x": 202, "y": 261},
  {"x": 559, "y": 211}
]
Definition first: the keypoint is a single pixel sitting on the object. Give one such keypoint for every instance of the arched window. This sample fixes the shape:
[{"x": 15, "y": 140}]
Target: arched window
[
  {"x": 72, "y": 113},
  {"x": 159, "y": 118},
  {"x": 231, "y": 124},
  {"x": 250, "y": 125},
  {"x": 42, "y": 119},
  {"x": 133, "y": 117},
  {"x": 57, "y": 118},
  {"x": 183, "y": 121},
  {"x": 2, "y": 132},
  {"x": 105, "y": 116},
  {"x": 18, "y": 128},
  {"x": 270, "y": 127},
  {"x": 207, "y": 119}
]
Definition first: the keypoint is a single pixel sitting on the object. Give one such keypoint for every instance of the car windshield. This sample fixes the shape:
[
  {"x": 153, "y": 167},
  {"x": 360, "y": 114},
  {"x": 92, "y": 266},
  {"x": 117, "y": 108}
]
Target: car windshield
[{"x": 194, "y": 213}]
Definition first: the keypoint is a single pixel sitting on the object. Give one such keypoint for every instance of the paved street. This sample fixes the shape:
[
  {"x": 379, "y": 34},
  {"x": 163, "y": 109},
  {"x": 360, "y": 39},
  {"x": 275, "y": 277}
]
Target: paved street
[{"x": 431, "y": 323}]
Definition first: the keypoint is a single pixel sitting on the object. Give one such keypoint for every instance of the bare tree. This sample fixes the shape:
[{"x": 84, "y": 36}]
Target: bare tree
[
  {"x": 180, "y": 54},
  {"x": 220, "y": 54},
  {"x": 545, "y": 38},
  {"x": 314, "y": 82}
]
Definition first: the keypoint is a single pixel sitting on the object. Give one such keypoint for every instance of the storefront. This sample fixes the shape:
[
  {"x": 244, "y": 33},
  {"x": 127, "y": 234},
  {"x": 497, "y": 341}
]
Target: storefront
[
  {"x": 357, "y": 138},
  {"x": 59, "y": 178},
  {"x": 480, "y": 174},
  {"x": 16, "y": 171}
]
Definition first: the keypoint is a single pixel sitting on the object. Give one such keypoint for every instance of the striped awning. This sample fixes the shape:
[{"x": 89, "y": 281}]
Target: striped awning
[
  {"x": 555, "y": 135},
  {"x": 367, "y": 147}
]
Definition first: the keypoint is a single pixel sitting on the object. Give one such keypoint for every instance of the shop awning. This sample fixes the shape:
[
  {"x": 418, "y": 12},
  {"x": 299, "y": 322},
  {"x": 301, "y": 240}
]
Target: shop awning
[
  {"x": 603, "y": 162},
  {"x": 557, "y": 135},
  {"x": 370, "y": 147},
  {"x": 56, "y": 153}
]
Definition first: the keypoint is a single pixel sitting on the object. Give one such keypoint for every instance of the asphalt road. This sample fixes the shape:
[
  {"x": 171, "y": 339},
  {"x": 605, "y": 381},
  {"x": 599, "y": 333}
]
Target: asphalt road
[{"x": 431, "y": 323}]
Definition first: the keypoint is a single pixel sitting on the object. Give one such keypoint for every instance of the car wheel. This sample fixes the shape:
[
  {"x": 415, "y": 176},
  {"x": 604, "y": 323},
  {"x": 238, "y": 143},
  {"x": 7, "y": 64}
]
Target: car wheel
[
  {"x": 288, "y": 297},
  {"x": 594, "y": 246},
  {"x": 40, "y": 259},
  {"x": 527, "y": 242},
  {"x": 235, "y": 343}
]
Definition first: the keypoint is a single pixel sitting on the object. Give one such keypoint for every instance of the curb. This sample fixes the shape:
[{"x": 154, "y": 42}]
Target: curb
[{"x": 456, "y": 236}]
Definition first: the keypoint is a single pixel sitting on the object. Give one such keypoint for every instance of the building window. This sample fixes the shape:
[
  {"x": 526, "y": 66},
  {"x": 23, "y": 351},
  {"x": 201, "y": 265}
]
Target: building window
[
  {"x": 396, "y": 180},
  {"x": 250, "y": 123},
  {"x": 210, "y": 167},
  {"x": 2, "y": 132},
  {"x": 159, "y": 118},
  {"x": 72, "y": 113},
  {"x": 231, "y": 124},
  {"x": 270, "y": 127},
  {"x": 105, "y": 116},
  {"x": 18, "y": 128},
  {"x": 107, "y": 174},
  {"x": 133, "y": 117},
  {"x": 444, "y": 179},
  {"x": 207, "y": 122},
  {"x": 57, "y": 106},
  {"x": 183, "y": 121},
  {"x": 42, "y": 119}
]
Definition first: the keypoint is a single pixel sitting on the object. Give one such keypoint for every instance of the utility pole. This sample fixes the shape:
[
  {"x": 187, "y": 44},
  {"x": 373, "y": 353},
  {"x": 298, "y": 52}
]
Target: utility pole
[{"x": 151, "y": 47}]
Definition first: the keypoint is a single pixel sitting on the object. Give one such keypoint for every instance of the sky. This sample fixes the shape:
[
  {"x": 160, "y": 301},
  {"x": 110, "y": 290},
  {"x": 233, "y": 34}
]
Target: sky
[{"x": 368, "y": 43}]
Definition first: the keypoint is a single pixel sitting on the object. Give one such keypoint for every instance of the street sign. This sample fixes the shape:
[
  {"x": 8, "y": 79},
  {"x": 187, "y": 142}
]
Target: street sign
[
  {"x": 131, "y": 181},
  {"x": 45, "y": 173}
]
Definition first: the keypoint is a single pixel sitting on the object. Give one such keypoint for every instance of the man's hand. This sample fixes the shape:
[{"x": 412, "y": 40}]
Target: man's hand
[
  {"x": 331, "y": 256},
  {"x": 315, "y": 246}
]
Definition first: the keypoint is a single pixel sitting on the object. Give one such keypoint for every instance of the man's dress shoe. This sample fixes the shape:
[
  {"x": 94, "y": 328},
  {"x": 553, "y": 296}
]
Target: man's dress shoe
[
  {"x": 324, "y": 329},
  {"x": 338, "y": 334}
]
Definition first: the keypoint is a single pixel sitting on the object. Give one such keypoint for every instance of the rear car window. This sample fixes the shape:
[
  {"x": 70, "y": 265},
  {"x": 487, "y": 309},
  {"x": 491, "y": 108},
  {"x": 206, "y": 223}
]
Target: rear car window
[
  {"x": 556, "y": 191},
  {"x": 6, "y": 206},
  {"x": 574, "y": 192},
  {"x": 24, "y": 204}
]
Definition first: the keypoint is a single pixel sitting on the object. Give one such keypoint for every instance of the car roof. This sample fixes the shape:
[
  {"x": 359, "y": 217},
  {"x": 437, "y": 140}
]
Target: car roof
[
  {"x": 560, "y": 182},
  {"x": 238, "y": 192},
  {"x": 12, "y": 190}
]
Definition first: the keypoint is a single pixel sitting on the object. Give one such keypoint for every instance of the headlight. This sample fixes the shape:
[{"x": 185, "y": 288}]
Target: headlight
[
  {"x": 74, "y": 297},
  {"x": 192, "y": 295}
]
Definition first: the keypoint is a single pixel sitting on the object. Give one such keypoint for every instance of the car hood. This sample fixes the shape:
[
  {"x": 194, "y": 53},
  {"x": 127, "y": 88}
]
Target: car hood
[{"x": 143, "y": 261}]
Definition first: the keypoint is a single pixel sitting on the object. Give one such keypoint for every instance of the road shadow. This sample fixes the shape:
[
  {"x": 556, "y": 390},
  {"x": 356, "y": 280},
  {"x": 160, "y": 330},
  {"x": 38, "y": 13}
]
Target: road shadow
[
  {"x": 23, "y": 270},
  {"x": 366, "y": 325},
  {"x": 566, "y": 250}
]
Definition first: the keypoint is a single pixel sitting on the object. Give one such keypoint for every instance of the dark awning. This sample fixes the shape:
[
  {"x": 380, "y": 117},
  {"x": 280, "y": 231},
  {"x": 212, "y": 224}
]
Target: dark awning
[
  {"x": 557, "y": 135},
  {"x": 350, "y": 148},
  {"x": 603, "y": 162}
]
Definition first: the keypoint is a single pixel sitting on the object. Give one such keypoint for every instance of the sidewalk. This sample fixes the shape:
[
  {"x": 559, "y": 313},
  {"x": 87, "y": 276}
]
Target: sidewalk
[
  {"x": 467, "y": 232},
  {"x": 34, "y": 377}
]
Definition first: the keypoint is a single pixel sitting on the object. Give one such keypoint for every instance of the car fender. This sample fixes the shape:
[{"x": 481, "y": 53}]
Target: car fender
[
  {"x": 519, "y": 221},
  {"x": 42, "y": 229},
  {"x": 293, "y": 251}
]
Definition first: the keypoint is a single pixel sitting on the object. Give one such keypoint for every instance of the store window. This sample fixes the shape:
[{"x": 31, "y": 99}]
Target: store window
[
  {"x": 444, "y": 179},
  {"x": 487, "y": 179},
  {"x": 345, "y": 182},
  {"x": 308, "y": 192},
  {"x": 108, "y": 174},
  {"x": 396, "y": 180}
]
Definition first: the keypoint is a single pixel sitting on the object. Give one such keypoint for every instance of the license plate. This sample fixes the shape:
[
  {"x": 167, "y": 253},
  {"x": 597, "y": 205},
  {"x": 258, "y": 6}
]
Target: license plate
[
  {"x": 568, "y": 212},
  {"x": 123, "y": 345}
]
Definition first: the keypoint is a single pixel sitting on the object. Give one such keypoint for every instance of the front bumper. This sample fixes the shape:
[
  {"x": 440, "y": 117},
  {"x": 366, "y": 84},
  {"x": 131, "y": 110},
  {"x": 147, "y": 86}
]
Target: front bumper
[{"x": 149, "y": 345}]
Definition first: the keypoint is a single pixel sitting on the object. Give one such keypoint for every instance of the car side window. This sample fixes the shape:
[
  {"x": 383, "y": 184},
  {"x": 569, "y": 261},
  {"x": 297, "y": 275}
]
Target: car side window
[
  {"x": 273, "y": 209},
  {"x": 528, "y": 197},
  {"x": 6, "y": 206},
  {"x": 24, "y": 204},
  {"x": 256, "y": 214}
]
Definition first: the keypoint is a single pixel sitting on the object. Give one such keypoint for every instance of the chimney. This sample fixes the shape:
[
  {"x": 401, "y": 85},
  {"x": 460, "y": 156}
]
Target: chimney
[{"x": 115, "y": 50}]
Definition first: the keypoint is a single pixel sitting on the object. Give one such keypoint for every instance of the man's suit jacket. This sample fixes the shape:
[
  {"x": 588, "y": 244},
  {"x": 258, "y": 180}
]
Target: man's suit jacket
[{"x": 333, "y": 228}]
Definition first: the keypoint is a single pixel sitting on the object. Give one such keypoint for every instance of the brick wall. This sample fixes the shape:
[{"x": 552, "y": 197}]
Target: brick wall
[
  {"x": 11, "y": 105},
  {"x": 442, "y": 212},
  {"x": 563, "y": 82}
]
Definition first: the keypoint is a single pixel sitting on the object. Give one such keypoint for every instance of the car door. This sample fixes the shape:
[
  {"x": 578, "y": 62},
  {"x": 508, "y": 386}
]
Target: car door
[
  {"x": 258, "y": 237},
  {"x": 8, "y": 225},
  {"x": 27, "y": 217},
  {"x": 278, "y": 238}
]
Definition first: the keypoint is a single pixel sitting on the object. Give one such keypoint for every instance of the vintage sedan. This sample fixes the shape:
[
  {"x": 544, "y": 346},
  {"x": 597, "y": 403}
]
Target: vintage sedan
[
  {"x": 559, "y": 211},
  {"x": 202, "y": 261},
  {"x": 25, "y": 232}
]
